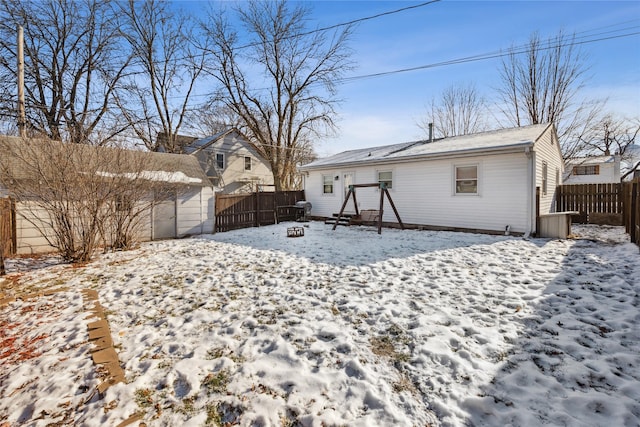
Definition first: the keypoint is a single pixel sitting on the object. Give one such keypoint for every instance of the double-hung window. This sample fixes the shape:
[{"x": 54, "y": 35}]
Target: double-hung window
[
  {"x": 247, "y": 163},
  {"x": 466, "y": 179},
  {"x": 220, "y": 160},
  {"x": 386, "y": 178},
  {"x": 327, "y": 184}
]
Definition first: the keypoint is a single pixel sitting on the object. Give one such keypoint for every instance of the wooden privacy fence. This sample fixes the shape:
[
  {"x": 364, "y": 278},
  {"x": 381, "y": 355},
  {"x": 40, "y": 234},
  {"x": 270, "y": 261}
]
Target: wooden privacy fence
[
  {"x": 7, "y": 230},
  {"x": 597, "y": 203},
  {"x": 632, "y": 209},
  {"x": 235, "y": 211}
]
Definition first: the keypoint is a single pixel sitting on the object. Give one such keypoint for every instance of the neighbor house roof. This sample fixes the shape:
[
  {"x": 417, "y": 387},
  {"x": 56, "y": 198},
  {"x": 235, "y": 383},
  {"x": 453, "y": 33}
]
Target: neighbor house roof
[
  {"x": 479, "y": 143},
  {"x": 206, "y": 142},
  {"x": 591, "y": 160},
  {"x": 161, "y": 167}
]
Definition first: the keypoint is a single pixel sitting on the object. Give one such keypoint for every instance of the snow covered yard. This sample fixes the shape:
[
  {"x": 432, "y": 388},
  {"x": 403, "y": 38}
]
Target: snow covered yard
[{"x": 407, "y": 328}]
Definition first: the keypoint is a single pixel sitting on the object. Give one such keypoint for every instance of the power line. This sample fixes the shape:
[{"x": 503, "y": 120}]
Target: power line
[
  {"x": 482, "y": 57},
  {"x": 348, "y": 23}
]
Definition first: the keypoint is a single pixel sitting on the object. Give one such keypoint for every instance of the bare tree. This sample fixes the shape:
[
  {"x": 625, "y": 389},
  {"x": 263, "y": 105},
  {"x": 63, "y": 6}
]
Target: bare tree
[
  {"x": 169, "y": 68},
  {"x": 79, "y": 196},
  {"x": 73, "y": 64},
  {"x": 281, "y": 85},
  {"x": 459, "y": 110},
  {"x": 609, "y": 135},
  {"x": 541, "y": 84}
]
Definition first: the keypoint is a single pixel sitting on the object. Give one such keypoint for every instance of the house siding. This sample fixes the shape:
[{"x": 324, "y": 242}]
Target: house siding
[
  {"x": 423, "y": 192},
  {"x": 548, "y": 151},
  {"x": 195, "y": 215},
  {"x": 233, "y": 177},
  {"x": 29, "y": 240}
]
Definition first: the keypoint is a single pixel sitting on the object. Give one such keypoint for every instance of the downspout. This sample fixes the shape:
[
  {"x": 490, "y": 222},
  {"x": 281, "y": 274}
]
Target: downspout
[{"x": 531, "y": 191}]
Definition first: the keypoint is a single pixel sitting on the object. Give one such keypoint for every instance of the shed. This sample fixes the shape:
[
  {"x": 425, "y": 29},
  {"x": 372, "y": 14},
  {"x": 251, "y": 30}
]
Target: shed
[
  {"x": 480, "y": 182},
  {"x": 187, "y": 209}
]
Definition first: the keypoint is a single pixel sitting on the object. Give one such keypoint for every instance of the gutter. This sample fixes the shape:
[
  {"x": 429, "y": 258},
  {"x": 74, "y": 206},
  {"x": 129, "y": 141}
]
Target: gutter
[{"x": 508, "y": 149}]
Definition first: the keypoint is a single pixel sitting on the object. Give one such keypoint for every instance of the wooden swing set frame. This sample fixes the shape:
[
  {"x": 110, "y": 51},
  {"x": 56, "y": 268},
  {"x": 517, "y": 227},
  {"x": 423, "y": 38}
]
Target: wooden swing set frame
[{"x": 383, "y": 191}]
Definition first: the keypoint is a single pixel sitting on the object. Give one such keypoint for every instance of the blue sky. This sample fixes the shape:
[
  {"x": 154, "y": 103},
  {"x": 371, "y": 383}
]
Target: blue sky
[{"x": 385, "y": 110}]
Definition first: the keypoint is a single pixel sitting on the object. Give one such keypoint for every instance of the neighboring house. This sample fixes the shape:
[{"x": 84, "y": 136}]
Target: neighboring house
[
  {"x": 592, "y": 170},
  {"x": 484, "y": 182},
  {"x": 231, "y": 162},
  {"x": 187, "y": 209}
]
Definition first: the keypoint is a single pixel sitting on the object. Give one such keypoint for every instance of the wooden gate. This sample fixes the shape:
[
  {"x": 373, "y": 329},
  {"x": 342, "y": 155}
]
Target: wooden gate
[{"x": 235, "y": 211}]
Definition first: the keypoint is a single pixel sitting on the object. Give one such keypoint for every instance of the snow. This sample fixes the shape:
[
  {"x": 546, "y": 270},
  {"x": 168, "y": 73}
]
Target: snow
[
  {"x": 343, "y": 327},
  {"x": 178, "y": 177},
  {"x": 503, "y": 138}
]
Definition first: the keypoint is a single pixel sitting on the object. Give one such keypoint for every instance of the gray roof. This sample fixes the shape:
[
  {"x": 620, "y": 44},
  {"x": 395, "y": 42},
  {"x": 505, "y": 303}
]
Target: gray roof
[
  {"x": 478, "y": 143},
  {"x": 162, "y": 167},
  {"x": 202, "y": 143}
]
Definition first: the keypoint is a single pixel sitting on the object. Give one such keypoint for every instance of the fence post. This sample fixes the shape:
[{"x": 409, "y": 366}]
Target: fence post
[{"x": 633, "y": 232}]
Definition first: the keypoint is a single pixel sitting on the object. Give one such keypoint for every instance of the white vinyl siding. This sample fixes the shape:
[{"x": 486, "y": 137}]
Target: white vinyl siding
[
  {"x": 423, "y": 193},
  {"x": 547, "y": 155},
  {"x": 194, "y": 214}
]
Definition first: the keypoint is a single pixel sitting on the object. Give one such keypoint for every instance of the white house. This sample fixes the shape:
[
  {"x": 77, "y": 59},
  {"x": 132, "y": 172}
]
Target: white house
[
  {"x": 593, "y": 170},
  {"x": 232, "y": 163},
  {"x": 485, "y": 181},
  {"x": 187, "y": 209}
]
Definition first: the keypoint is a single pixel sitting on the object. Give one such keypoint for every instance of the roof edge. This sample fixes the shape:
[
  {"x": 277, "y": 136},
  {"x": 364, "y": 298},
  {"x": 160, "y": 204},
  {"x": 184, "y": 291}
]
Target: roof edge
[{"x": 505, "y": 149}]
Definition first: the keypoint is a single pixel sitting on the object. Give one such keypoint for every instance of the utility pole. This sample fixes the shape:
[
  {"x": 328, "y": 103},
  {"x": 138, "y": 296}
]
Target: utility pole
[{"x": 22, "y": 120}]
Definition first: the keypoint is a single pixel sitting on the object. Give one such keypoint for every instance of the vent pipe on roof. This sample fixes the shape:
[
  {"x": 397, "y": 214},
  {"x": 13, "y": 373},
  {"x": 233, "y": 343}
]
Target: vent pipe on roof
[{"x": 430, "y": 132}]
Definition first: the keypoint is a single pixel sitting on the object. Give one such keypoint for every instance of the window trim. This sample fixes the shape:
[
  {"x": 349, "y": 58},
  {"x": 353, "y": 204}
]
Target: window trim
[
  {"x": 378, "y": 172},
  {"x": 455, "y": 179},
  {"x": 545, "y": 177},
  {"x": 585, "y": 170},
  {"x": 223, "y": 161},
  {"x": 250, "y": 168},
  {"x": 324, "y": 185}
]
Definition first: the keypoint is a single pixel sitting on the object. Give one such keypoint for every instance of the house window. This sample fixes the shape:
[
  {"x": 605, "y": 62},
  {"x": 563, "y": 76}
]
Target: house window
[
  {"x": 220, "y": 160},
  {"x": 586, "y": 170},
  {"x": 545, "y": 179},
  {"x": 327, "y": 184},
  {"x": 385, "y": 177},
  {"x": 557, "y": 177},
  {"x": 467, "y": 179},
  {"x": 247, "y": 163}
]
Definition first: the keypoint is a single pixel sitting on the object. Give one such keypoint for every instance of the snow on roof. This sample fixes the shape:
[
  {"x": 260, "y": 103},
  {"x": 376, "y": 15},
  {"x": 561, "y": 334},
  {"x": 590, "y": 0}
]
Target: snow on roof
[
  {"x": 162, "y": 167},
  {"x": 484, "y": 141},
  {"x": 157, "y": 176},
  {"x": 591, "y": 160}
]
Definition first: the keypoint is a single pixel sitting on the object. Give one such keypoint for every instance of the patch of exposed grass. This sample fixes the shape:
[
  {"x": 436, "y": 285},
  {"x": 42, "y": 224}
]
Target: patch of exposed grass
[
  {"x": 143, "y": 397},
  {"x": 216, "y": 382}
]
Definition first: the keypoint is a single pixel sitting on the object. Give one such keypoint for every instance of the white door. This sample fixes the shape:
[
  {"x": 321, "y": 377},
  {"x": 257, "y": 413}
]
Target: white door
[
  {"x": 348, "y": 178},
  {"x": 164, "y": 220}
]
